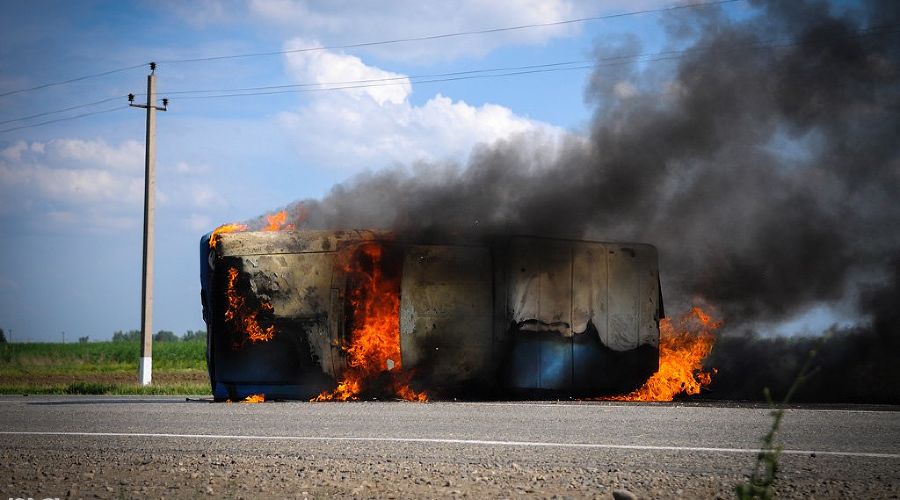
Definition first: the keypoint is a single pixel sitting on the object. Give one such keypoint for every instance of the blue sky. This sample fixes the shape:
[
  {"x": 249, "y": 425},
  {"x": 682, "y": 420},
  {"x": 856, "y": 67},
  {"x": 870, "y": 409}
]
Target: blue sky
[{"x": 70, "y": 192}]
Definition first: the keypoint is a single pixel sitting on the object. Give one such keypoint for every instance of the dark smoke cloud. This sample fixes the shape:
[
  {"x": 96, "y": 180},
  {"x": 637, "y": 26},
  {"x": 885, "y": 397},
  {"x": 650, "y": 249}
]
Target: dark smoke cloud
[
  {"x": 763, "y": 163},
  {"x": 855, "y": 365}
]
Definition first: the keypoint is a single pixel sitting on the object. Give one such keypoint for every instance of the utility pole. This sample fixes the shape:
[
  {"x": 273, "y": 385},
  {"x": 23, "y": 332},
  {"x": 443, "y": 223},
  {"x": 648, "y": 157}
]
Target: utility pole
[{"x": 145, "y": 367}]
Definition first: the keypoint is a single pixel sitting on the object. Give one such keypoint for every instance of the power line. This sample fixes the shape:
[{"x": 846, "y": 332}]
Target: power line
[
  {"x": 387, "y": 79},
  {"x": 72, "y": 80},
  {"x": 504, "y": 71},
  {"x": 63, "y": 110},
  {"x": 496, "y": 72},
  {"x": 380, "y": 42},
  {"x": 451, "y": 35},
  {"x": 64, "y": 119},
  {"x": 388, "y": 84}
]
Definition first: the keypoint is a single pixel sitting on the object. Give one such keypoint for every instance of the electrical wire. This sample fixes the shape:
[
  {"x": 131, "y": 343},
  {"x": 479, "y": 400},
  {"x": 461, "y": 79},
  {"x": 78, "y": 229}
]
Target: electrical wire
[
  {"x": 449, "y": 76},
  {"x": 374, "y": 43},
  {"x": 71, "y": 80},
  {"x": 63, "y": 110},
  {"x": 504, "y": 71},
  {"x": 64, "y": 119},
  {"x": 449, "y": 35},
  {"x": 374, "y": 80}
]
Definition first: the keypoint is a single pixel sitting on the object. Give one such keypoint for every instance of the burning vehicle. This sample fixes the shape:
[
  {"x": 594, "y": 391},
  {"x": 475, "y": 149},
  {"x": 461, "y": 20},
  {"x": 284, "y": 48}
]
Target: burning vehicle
[{"x": 340, "y": 315}]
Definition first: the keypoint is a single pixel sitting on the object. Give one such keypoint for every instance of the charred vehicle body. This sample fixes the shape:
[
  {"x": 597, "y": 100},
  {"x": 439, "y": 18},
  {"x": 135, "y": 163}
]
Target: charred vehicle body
[{"x": 510, "y": 317}]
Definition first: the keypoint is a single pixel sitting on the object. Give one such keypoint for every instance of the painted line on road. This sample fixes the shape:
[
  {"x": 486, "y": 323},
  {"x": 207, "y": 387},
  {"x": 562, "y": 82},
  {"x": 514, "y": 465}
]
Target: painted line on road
[{"x": 476, "y": 442}]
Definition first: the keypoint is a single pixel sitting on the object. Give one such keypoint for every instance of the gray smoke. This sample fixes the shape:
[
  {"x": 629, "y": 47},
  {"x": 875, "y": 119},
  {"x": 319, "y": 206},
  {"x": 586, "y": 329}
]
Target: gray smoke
[{"x": 763, "y": 162}]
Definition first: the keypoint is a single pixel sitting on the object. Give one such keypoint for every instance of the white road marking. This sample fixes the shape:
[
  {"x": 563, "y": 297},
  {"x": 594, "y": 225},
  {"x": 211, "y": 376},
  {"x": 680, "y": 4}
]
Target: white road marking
[{"x": 476, "y": 442}]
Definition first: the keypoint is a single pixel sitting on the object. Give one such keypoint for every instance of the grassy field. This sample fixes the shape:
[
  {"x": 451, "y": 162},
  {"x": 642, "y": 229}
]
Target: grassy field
[{"x": 101, "y": 368}]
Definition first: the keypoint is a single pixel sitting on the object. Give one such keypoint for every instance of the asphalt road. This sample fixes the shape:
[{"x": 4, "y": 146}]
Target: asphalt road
[{"x": 169, "y": 447}]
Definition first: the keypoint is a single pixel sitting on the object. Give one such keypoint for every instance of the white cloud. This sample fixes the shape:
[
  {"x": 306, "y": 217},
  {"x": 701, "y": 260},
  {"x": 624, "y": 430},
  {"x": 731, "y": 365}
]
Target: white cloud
[
  {"x": 337, "y": 22},
  {"x": 74, "y": 172},
  {"x": 89, "y": 184},
  {"x": 325, "y": 67},
  {"x": 128, "y": 156},
  {"x": 372, "y": 127},
  {"x": 14, "y": 152}
]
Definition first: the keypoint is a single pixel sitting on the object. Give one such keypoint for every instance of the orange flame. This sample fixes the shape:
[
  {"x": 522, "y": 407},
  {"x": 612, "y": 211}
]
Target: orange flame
[
  {"x": 375, "y": 320},
  {"x": 255, "y": 398},
  {"x": 240, "y": 314},
  {"x": 681, "y": 354},
  {"x": 277, "y": 222},
  {"x": 224, "y": 228}
]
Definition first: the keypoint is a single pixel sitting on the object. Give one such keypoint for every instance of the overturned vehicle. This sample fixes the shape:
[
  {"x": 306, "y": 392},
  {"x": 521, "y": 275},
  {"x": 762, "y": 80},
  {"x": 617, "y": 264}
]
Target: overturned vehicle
[{"x": 366, "y": 314}]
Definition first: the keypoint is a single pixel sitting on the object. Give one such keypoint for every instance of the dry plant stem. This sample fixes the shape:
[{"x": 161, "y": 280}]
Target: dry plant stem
[{"x": 761, "y": 482}]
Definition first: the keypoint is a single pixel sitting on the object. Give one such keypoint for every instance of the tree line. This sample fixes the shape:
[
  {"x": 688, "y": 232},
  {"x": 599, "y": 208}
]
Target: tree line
[
  {"x": 135, "y": 336},
  {"x": 160, "y": 336}
]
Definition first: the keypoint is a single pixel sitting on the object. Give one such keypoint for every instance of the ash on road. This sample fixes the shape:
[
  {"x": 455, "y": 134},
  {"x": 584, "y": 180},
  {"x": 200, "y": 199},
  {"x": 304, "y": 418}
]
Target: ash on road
[{"x": 169, "y": 447}]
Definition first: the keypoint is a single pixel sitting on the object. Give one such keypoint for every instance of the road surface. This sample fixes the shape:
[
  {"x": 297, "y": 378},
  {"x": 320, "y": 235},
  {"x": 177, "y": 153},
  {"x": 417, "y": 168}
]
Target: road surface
[{"x": 169, "y": 447}]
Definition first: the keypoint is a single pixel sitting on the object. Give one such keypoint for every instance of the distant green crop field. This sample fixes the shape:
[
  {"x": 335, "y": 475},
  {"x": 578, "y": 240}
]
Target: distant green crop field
[
  {"x": 101, "y": 368},
  {"x": 98, "y": 357}
]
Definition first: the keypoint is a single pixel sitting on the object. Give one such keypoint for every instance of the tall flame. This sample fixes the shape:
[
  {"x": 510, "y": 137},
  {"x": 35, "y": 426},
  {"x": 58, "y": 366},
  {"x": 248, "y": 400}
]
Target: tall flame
[
  {"x": 375, "y": 319},
  {"x": 242, "y": 316},
  {"x": 277, "y": 222},
  {"x": 682, "y": 349}
]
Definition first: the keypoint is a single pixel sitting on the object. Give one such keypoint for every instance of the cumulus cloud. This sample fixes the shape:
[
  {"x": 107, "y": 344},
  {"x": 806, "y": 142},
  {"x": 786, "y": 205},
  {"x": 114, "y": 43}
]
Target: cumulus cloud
[
  {"x": 347, "y": 22},
  {"x": 325, "y": 67},
  {"x": 86, "y": 183},
  {"x": 373, "y": 126},
  {"x": 73, "y": 172},
  {"x": 128, "y": 156}
]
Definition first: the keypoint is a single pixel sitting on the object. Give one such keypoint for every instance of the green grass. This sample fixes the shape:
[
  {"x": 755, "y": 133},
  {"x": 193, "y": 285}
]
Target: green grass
[
  {"x": 101, "y": 368},
  {"x": 91, "y": 357},
  {"x": 96, "y": 388}
]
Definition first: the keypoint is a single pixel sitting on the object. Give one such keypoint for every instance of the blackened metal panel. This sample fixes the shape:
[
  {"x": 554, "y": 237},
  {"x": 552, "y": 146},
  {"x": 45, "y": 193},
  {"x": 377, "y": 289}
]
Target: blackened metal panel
[
  {"x": 624, "y": 299},
  {"x": 649, "y": 307},
  {"x": 300, "y": 291},
  {"x": 289, "y": 293},
  {"x": 446, "y": 313},
  {"x": 590, "y": 363},
  {"x": 589, "y": 287},
  {"x": 524, "y": 281},
  {"x": 555, "y": 290},
  {"x": 540, "y": 287},
  {"x": 540, "y": 297}
]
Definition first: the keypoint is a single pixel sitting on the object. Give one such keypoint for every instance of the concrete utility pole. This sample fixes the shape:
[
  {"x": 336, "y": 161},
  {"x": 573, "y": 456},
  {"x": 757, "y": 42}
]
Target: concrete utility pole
[{"x": 145, "y": 367}]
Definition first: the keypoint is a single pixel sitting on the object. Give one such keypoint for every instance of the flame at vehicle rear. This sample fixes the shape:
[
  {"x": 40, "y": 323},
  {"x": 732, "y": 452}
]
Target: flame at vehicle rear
[
  {"x": 224, "y": 228},
  {"x": 682, "y": 349},
  {"x": 374, "y": 349},
  {"x": 274, "y": 222}
]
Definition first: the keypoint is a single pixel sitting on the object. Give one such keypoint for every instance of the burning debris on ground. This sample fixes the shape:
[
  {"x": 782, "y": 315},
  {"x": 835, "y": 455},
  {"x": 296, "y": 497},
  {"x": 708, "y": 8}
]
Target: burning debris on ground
[{"x": 683, "y": 348}]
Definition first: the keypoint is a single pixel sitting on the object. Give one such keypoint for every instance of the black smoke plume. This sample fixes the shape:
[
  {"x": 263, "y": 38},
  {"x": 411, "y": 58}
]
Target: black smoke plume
[
  {"x": 857, "y": 364},
  {"x": 760, "y": 155}
]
